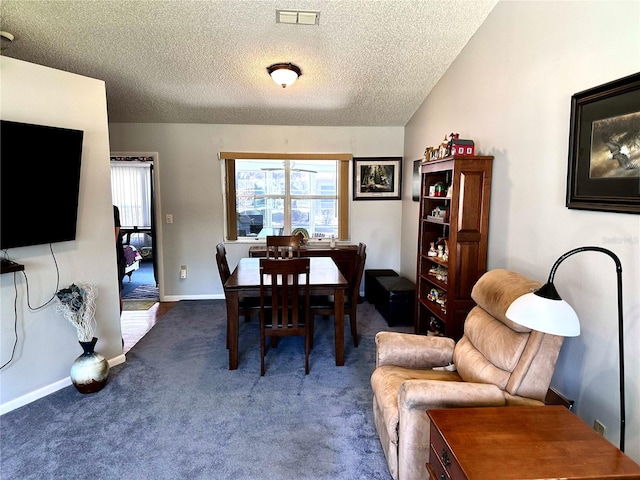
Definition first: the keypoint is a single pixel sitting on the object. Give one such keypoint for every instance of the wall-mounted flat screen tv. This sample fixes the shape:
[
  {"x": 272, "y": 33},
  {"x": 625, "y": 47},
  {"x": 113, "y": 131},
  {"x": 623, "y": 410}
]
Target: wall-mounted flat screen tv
[{"x": 39, "y": 183}]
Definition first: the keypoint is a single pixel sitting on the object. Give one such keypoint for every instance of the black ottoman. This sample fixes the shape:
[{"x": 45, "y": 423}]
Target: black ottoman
[
  {"x": 371, "y": 286},
  {"x": 396, "y": 302}
]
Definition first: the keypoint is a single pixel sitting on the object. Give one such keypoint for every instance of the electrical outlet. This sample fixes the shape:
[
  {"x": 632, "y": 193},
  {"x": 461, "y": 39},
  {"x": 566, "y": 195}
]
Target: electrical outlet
[
  {"x": 168, "y": 218},
  {"x": 183, "y": 271},
  {"x": 599, "y": 427}
]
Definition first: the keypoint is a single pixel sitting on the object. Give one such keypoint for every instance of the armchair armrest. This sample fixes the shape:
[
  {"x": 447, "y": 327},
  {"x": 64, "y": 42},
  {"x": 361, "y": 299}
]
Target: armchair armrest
[
  {"x": 413, "y": 351},
  {"x": 426, "y": 394},
  {"x": 415, "y": 397}
]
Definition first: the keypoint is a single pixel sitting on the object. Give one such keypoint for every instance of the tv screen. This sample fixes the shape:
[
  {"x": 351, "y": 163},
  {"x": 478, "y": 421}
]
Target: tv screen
[{"x": 39, "y": 183}]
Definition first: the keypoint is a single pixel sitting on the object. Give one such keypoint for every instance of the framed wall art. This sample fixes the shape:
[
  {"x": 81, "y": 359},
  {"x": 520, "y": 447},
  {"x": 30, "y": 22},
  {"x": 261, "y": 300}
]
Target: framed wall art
[
  {"x": 604, "y": 148},
  {"x": 378, "y": 178},
  {"x": 415, "y": 194}
]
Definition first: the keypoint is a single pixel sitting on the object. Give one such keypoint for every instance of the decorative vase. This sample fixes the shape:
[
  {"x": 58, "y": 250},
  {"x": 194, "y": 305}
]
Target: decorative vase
[{"x": 90, "y": 370}]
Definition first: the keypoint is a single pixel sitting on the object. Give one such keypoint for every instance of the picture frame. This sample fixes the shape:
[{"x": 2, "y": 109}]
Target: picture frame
[
  {"x": 377, "y": 178},
  {"x": 415, "y": 194},
  {"x": 604, "y": 148}
]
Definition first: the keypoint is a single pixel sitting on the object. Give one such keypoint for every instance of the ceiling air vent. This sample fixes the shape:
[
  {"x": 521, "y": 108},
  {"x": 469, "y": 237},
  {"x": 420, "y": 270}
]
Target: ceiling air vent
[{"x": 298, "y": 17}]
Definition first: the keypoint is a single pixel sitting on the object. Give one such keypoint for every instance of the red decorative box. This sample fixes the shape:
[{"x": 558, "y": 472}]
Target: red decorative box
[{"x": 462, "y": 147}]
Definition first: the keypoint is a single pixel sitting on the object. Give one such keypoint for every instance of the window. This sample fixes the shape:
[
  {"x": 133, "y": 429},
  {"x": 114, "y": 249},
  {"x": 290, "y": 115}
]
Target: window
[
  {"x": 274, "y": 194},
  {"x": 131, "y": 192}
]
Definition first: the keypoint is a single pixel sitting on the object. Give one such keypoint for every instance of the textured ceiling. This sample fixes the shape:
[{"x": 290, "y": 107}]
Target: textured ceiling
[{"x": 367, "y": 63}]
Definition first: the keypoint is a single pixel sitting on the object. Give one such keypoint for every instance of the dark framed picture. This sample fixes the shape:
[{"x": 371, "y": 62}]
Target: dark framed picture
[
  {"x": 415, "y": 194},
  {"x": 604, "y": 148},
  {"x": 378, "y": 178}
]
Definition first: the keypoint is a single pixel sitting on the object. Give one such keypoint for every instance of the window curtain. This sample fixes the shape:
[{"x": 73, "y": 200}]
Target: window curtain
[{"x": 131, "y": 192}]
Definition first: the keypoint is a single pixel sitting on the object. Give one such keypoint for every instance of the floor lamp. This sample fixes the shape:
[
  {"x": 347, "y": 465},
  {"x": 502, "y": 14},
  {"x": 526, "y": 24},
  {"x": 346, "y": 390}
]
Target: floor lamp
[{"x": 545, "y": 311}]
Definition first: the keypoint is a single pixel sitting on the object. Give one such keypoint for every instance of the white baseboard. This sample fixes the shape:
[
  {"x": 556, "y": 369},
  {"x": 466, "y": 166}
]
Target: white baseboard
[
  {"x": 49, "y": 389},
  {"x": 177, "y": 298}
]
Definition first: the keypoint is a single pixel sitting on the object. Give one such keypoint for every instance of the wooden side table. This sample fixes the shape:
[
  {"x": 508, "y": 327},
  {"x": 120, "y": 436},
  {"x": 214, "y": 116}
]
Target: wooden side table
[{"x": 547, "y": 442}]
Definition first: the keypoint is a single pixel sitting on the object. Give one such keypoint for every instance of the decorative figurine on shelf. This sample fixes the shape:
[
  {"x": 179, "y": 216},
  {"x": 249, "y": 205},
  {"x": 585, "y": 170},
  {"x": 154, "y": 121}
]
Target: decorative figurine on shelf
[
  {"x": 443, "y": 151},
  {"x": 450, "y": 191},
  {"x": 452, "y": 138},
  {"x": 440, "y": 251},
  {"x": 432, "y": 250},
  {"x": 462, "y": 148},
  {"x": 440, "y": 213},
  {"x": 429, "y": 153},
  {"x": 445, "y": 255},
  {"x": 435, "y": 327},
  {"x": 440, "y": 190}
]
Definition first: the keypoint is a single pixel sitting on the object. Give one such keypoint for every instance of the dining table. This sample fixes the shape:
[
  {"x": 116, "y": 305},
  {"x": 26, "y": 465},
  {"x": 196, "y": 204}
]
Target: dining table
[{"x": 325, "y": 278}]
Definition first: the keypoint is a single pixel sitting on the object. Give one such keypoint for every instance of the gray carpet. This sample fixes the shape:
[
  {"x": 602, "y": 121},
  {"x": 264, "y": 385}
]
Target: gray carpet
[
  {"x": 174, "y": 410},
  {"x": 144, "y": 292}
]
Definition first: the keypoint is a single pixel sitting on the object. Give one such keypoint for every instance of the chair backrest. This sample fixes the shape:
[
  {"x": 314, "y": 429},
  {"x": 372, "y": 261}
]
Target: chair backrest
[
  {"x": 493, "y": 349},
  {"x": 284, "y": 294},
  {"x": 283, "y": 246},
  {"x": 223, "y": 265},
  {"x": 354, "y": 287}
]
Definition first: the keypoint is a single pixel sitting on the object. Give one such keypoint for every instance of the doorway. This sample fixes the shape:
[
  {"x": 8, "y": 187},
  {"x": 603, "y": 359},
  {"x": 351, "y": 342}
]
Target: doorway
[{"x": 134, "y": 187}]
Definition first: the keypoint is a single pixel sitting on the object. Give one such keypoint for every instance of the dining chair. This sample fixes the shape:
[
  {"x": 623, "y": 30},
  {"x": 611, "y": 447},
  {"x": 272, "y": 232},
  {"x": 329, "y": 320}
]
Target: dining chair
[
  {"x": 283, "y": 246},
  {"x": 284, "y": 303},
  {"x": 325, "y": 304},
  {"x": 247, "y": 306}
]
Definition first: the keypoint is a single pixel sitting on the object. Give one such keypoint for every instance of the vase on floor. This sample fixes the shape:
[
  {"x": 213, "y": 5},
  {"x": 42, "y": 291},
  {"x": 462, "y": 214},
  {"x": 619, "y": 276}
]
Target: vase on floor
[{"x": 90, "y": 370}]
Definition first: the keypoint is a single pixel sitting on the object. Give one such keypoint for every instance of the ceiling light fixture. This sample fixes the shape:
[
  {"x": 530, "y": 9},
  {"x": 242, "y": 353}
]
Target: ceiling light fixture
[{"x": 284, "y": 74}]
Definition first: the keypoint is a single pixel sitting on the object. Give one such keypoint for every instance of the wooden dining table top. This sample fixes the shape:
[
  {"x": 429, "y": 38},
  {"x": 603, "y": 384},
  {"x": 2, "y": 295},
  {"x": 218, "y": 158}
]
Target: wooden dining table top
[{"x": 323, "y": 271}]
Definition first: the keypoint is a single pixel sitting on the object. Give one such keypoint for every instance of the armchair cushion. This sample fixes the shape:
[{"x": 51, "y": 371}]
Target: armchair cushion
[
  {"x": 413, "y": 351},
  {"x": 497, "y": 289}
]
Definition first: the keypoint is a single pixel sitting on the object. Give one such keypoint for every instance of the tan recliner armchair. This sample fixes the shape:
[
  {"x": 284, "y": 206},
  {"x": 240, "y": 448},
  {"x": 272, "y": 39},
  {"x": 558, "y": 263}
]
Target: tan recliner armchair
[{"x": 498, "y": 363}]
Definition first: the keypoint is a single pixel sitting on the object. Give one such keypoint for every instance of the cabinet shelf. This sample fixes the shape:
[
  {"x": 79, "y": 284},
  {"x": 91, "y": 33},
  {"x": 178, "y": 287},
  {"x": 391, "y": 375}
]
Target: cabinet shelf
[
  {"x": 466, "y": 230},
  {"x": 437, "y": 220},
  {"x": 437, "y": 260},
  {"x": 433, "y": 309},
  {"x": 436, "y": 283}
]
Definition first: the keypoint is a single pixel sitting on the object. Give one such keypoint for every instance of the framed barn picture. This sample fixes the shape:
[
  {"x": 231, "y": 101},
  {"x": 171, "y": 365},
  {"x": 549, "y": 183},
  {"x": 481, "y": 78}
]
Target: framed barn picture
[
  {"x": 604, "y": 148},
  {"x": 377, "y": 178}
]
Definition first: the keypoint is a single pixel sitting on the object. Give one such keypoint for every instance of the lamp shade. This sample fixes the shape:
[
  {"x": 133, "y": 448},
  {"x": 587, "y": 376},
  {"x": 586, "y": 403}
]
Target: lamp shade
[
  {"x": 284, "y": 74},
  {"x": 554, "y": 316}
]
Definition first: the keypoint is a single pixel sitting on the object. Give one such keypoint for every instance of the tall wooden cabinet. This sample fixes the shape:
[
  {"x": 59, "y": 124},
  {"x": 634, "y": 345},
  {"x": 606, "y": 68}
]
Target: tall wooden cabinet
[{"x": 454, "y": 215}]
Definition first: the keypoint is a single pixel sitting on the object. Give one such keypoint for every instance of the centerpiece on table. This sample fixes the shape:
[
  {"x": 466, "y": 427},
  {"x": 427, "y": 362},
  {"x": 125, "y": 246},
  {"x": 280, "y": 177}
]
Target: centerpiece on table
[{"x": 77, "y": 303}]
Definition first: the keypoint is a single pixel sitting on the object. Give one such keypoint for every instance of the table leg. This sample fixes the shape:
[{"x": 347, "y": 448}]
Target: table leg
[
  {"x": 232, "y": 328},
  {"x": 339, "y": 325}
]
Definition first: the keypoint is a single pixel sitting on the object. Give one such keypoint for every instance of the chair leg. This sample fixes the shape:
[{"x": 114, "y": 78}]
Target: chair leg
[
  {"x": 307, "y": 348},
  {"x": 354, "y": 326},
  {"x": 262, "y": 349}
]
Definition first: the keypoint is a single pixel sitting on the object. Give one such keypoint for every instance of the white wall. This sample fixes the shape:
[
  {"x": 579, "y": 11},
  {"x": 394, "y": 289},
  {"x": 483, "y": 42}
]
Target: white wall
[
  {"x": 509, "y": 90},
  {"x": 47, "y": 344},
  {"x": 191, "y": 190}
]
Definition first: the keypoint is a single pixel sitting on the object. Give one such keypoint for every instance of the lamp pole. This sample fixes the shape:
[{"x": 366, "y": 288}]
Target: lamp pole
[{"x": 549, "y": 291}]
